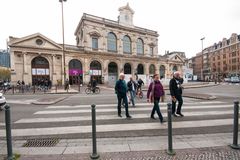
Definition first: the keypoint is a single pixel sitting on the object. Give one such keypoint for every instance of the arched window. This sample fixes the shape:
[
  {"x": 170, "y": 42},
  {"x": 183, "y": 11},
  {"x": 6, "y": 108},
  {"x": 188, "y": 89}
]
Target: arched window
[
  {"x": 127, "y": 69},
  {"x": 127, "y": 47},
  {"x": 162, "y": 71},
  {"x": 151, "y": 69},
  {"x": 112, "y": 42},
  {"x": 140, "y": 69},
  {"x": 140, "y": 46},
  {"x": 175, "y": 68}
]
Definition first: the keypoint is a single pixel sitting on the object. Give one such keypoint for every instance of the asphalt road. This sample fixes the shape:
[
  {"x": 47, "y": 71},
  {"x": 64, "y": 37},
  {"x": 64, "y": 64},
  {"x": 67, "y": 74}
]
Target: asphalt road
[{"x": 22, "y": 109}]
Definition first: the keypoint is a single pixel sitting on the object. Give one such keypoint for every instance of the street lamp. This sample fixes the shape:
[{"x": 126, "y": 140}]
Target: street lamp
[
  {"x": 64, "y": 66},
  {"x": 202, "y": 59}
]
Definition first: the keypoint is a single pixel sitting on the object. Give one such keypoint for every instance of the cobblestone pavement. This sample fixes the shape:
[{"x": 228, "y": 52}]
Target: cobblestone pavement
[{"x": 213, "y": 153}]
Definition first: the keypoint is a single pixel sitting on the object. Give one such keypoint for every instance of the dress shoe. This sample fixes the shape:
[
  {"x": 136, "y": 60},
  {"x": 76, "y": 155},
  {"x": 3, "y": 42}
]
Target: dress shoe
[
  {"x": 180, "y": 114},
  {"x": 119, "y": 115},
  {"x": 162, "y": 121},
  {"x": 174, "y": 115},
  {"x": 129, "y": 117},
  {"x": 152, "y": 117}
]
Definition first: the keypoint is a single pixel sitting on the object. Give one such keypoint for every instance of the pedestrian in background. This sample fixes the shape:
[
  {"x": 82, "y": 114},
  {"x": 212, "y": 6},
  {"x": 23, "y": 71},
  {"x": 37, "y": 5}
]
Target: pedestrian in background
[
  {"x": 121, "y": 91},
  {"x": 175, "y": 87},
  {"x": 132, "y": 87},
  {"x": 155, "y": 91}
]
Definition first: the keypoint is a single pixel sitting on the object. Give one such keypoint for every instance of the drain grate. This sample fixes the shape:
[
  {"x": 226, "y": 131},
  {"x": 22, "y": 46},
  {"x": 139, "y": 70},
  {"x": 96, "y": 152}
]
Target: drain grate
[{"x": 50, "y": 142}]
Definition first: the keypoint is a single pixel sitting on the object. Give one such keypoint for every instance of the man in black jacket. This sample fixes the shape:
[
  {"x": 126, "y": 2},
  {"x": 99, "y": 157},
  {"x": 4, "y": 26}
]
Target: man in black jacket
[{"x": 175, "y": 87}]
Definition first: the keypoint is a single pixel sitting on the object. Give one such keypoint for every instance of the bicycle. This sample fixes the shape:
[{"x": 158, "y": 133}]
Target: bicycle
[
  {"x": 139, "y": 93},
  {"x": 89, "y": 90}
]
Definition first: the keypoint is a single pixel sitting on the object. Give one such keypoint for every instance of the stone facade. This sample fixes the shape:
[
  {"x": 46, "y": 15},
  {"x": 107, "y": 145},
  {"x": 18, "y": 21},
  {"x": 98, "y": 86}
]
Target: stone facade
[{"x": 104, "y": 48}]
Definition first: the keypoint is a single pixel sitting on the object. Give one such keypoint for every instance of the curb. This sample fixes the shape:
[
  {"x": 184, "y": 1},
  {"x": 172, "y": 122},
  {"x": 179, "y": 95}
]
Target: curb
[{"x": 37, "y": 102}]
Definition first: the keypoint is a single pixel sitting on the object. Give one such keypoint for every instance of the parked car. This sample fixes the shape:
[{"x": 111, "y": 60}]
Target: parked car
[
  {"x": 235, "y": 80},
  {"x": 227, "y": 79},
  {"x": 2, "y": 101}
]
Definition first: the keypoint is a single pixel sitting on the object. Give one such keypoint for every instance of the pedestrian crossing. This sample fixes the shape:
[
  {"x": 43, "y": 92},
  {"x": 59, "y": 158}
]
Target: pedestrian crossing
[{"x": 76, "y": 120}]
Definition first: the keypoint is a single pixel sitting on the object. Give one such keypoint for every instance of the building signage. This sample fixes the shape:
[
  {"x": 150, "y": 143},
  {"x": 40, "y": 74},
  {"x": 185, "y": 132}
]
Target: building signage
[
  {"x": 40, "y": 71},
  {"x": 75, "y": 72}
]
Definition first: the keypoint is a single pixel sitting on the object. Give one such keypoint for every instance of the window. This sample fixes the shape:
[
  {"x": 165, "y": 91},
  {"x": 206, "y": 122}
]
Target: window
[
  {"x": 151, "y": 50},
  {"x": 213, "y": 58},
  {"x": 234, "y": 60},
  {"x": 224, "y": 56},
  {"x": 233, "y": 54},
  {"x": 218, "y": 57},
  {"x": 127, "y": 47},
  {"x": 112, "y": 42},
  {"x": 139, "y": 46},
  {"x": 94, "y": 43},
  {"x": 219, "y": 63}
]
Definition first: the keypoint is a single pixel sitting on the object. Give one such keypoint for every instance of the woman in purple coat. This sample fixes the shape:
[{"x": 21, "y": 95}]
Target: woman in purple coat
[{"x": 155, "y": 91}]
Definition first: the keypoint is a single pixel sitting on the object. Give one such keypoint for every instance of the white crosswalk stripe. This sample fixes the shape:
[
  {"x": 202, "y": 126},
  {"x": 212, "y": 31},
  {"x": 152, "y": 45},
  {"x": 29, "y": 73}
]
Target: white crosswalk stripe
[
  {"x": 48, "y": 115},
  {"x": 114, "y": 109}
]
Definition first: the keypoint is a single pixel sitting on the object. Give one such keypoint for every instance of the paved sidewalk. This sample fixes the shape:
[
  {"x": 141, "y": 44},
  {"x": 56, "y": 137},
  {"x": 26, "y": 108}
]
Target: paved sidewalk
[
  {"x": 209, "y": 153},
  {"x": 132, "y": 145}
]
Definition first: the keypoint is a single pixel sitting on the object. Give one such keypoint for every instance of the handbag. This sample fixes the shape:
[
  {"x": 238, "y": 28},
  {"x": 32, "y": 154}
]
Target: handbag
[{"x": 152, "y": 93}]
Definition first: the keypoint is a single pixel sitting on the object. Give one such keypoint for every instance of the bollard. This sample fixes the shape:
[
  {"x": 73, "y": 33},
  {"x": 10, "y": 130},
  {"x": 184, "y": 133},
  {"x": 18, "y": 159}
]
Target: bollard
[
  {"x": 13, "y": 89},
  {"x": 79, "y": 88},
  {"x": 34, "y": 89},
  {"x": 94, "y": 155},
  {"x": 22, "y": 89},
  {"x": 56, "y": 89},
  {"x": 235, "y": 126},
  {"x": 170, "y": 150},
  {"x": 8, "y": 131}
]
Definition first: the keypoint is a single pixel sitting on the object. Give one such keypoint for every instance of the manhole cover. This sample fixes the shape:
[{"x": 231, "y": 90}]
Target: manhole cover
[{"x": 41, "y": 142}]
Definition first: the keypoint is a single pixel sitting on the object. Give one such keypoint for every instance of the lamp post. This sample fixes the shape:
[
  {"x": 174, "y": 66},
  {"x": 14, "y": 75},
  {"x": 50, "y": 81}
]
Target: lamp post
[
  {"x": 64, "y": 66},
  {"x": 202, "y": 59}
]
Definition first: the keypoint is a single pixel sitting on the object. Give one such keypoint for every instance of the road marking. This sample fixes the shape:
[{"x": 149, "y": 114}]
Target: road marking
[
  {"x": 20, "y": 102},
  {"x": 114, "y": 117},
  {"x": 2, "y": 124},
  {"x": 98, "y": 110},
  {"x": 114, "y": 127},
  {"x": 138, "y": 104}
]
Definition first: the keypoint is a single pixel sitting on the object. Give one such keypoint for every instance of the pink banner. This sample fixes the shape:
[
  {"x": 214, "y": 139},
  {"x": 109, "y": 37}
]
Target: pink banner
[{"x": 75, "y": 72}]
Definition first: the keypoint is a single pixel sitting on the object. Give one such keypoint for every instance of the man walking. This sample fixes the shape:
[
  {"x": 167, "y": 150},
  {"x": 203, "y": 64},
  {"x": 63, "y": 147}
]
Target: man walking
[
  {"x": 121, "y": 91},
  {"x": 175, "y": 87},
  {"x": 132, "y": 86}
]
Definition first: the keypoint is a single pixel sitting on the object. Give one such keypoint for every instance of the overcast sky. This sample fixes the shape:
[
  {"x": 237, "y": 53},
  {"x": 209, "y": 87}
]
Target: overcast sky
[{"x": 180, "y": 23}]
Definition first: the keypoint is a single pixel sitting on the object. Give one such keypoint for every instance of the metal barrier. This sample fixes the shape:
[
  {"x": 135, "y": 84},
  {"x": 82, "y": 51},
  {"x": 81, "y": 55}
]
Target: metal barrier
[
  {"x": 235, "y": 126},
  {"x": 94, "y": 154},
  {"x": 170, "y": 150},
  {"x": 8, "y": 132}
]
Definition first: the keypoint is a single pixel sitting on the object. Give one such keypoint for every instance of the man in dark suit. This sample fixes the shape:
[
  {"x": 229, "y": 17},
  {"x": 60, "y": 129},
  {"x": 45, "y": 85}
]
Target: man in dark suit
[{"x": 175, "y": 87}]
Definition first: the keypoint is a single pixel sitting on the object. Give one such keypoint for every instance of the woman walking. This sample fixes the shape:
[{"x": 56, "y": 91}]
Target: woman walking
[{"x": 155, "y": 91}]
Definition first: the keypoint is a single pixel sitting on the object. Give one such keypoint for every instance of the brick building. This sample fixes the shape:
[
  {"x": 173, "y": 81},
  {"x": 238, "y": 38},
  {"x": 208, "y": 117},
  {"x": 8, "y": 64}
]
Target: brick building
[{"x": 219, "y": 60}]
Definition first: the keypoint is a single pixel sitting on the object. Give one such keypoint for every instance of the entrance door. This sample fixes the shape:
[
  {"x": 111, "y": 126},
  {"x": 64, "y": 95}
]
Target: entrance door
[
  {"x": 40, "y": 70},
  {"x": 112, "y": 73},
  {"x": 96, "y": 71},
  {"x": 75, "y": 72}
]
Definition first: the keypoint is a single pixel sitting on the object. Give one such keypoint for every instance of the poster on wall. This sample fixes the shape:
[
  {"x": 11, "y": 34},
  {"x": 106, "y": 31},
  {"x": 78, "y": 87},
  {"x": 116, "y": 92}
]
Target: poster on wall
[
  {"x": 96, "y": 72},
  {"x": 47, "y": 71},
  {"x": 34, "y": 72},
  {"x": 41, "y": 71}
]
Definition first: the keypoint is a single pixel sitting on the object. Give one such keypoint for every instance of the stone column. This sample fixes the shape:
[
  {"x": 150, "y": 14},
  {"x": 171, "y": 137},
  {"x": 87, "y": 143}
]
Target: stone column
[{"x": 24, "y": 66}]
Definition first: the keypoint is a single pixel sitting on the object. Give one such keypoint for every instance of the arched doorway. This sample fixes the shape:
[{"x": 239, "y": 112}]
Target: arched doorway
[
  {"x": 96, "y": 71},
  {"x": 127, "y": 68},
  {"x": 174, "y": 68},
  {"x": 151, "y": 69},
  {"x": 162, "y": 71},
  {"x": 140, "y": 69},
  {"x": 112, "y": 73},
  {"x": 75, "y": 72},
  {"x": 40, "y": 70}
]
